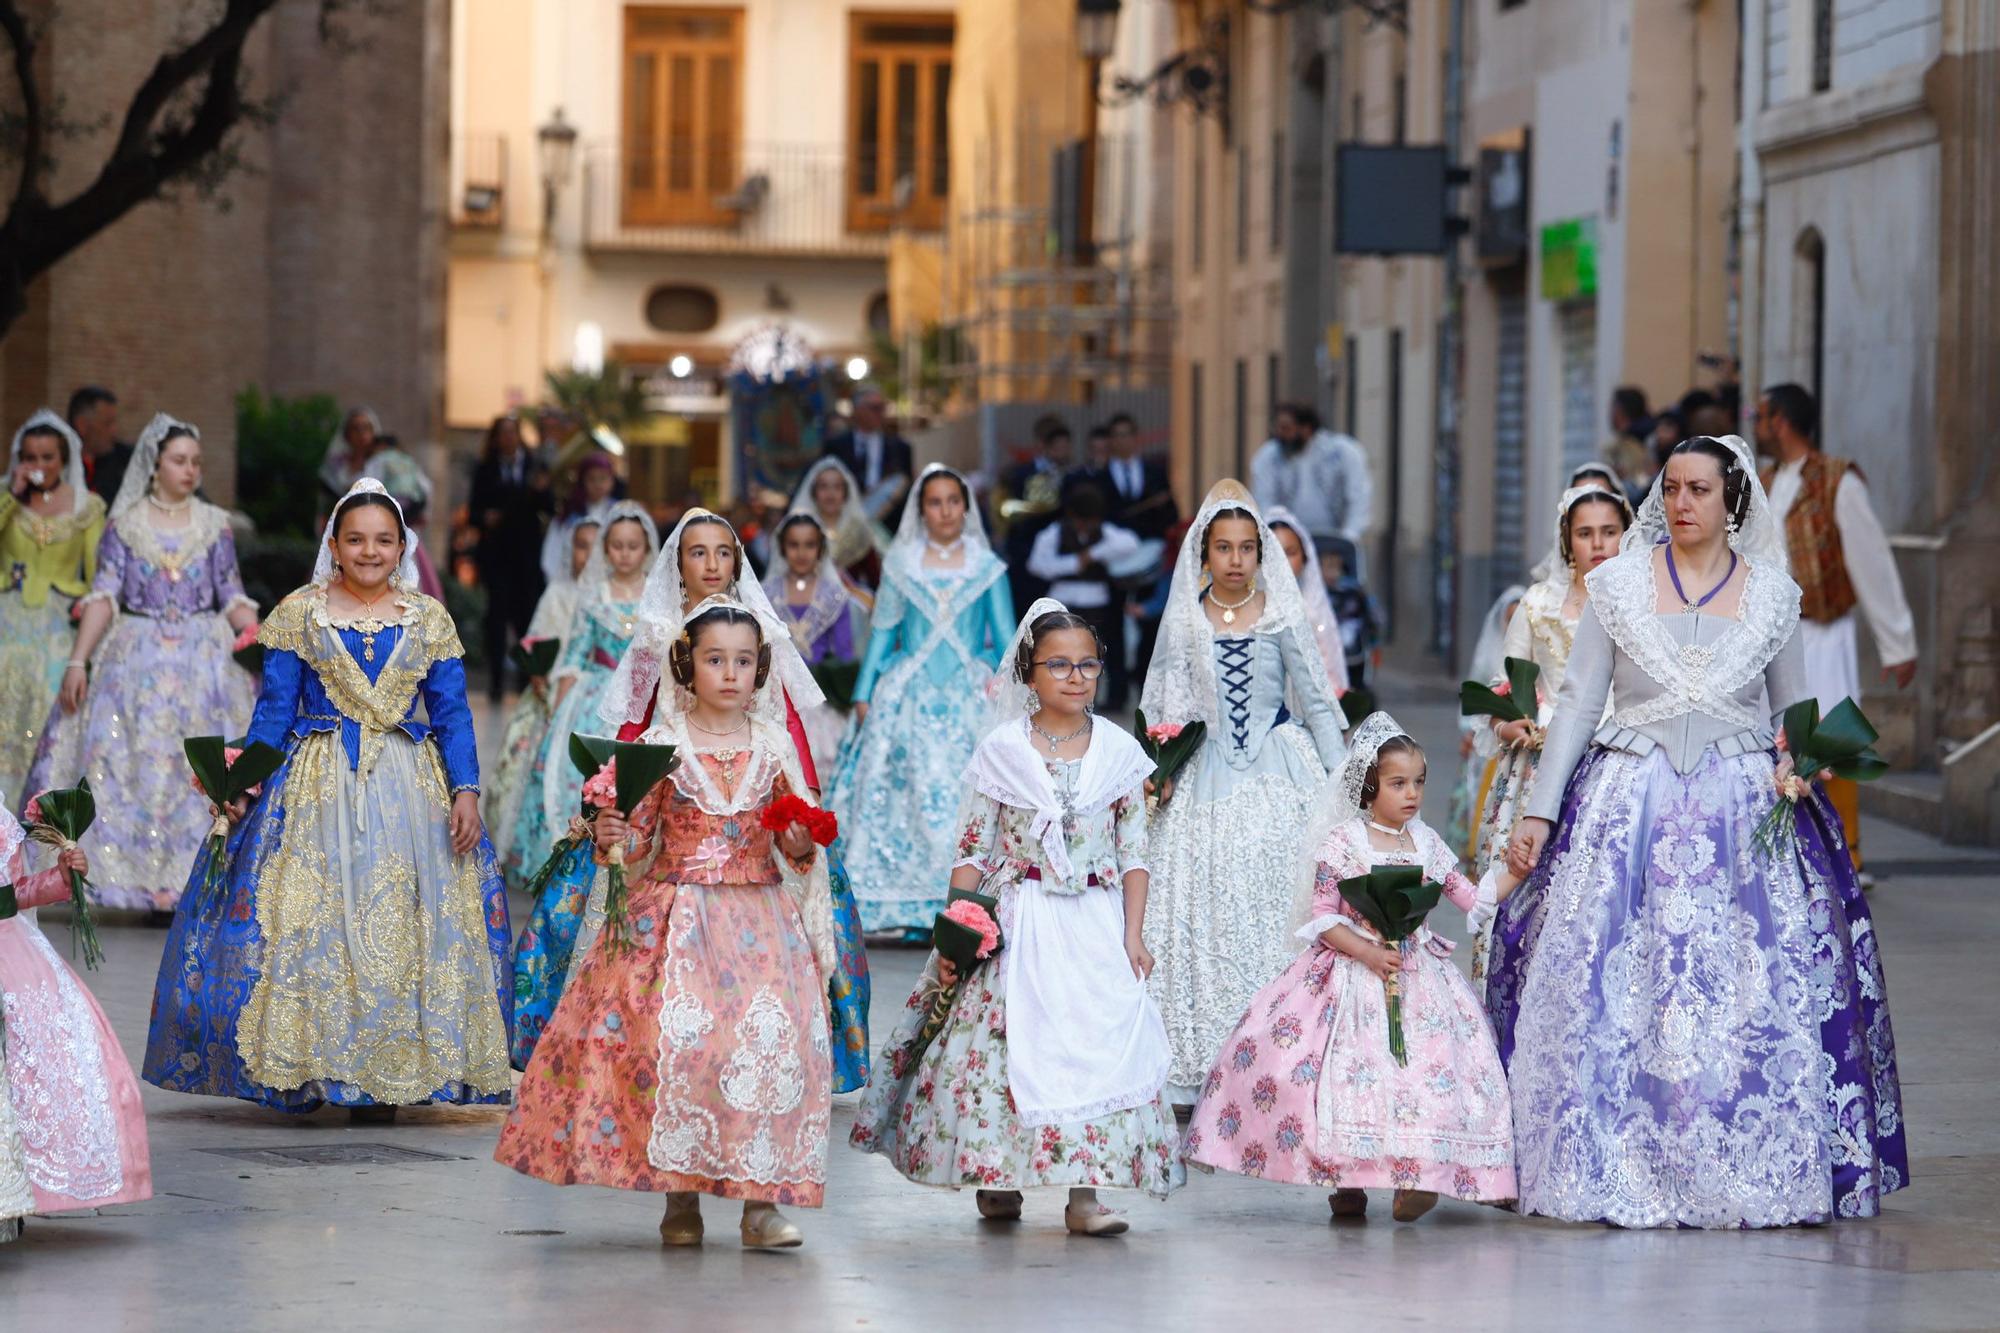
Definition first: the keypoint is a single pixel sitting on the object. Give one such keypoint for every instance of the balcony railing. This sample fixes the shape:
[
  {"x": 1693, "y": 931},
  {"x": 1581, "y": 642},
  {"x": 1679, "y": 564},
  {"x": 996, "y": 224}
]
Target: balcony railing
[{"x": 789, "y": 199}]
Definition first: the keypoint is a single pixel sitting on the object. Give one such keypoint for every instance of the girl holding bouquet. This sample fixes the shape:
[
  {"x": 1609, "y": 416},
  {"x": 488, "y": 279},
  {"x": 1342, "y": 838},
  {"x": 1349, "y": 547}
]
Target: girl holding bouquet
[
  {"x": 157, "y": 629},
  {"x": 708, "y": 562},
  {"x": 599, "y": 630},
  {"x": 941, "y": 622},
  {"x": 1308, "y": 1089},
  {"x": 50, "y": 524},
  {"x": 1050, "y": 1066},
  {"x": 1701, "y": 1029},
  {"x": 349, "y": 949},
  {"x": 828, "y": 620},
  {"x": 1237, "y": 653},
  {"x": 689, "y": 1052},
  {"x": 529, "y": 720},
  {"x": 72, "y": 1132}
]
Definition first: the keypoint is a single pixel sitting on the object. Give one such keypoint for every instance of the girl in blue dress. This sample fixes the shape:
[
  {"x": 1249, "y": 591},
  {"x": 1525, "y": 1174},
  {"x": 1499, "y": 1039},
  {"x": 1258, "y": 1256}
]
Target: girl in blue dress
[
  {"x": 942, "y": 620},
  {"x": 353, "y": 949}
]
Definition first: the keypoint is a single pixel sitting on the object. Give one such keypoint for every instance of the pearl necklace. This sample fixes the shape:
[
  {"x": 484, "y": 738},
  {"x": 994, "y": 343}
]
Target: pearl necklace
[
  {"x": 948, "y": 550},
  {"x": 1402, "y": 835},
  {"x": 1229, "y": 609},
  {"x": 180, "y": 506}
]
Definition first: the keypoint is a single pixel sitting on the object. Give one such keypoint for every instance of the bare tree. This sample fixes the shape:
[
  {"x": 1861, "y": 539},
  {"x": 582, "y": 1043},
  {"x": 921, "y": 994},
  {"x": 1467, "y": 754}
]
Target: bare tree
[{"x": 176, "y": 129}]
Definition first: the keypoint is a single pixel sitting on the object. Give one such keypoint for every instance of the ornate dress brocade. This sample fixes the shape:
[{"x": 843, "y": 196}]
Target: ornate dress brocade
[
  {"x": 347, "y": 954},
  {"x": 697, "y": 1058},
  {"x": 46, "y": 563},
  {"x": 163, "y": 672}
]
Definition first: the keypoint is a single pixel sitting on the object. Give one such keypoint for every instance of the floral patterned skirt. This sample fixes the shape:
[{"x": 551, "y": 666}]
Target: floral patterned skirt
[
  {"x": 946, "y": 1116},
  {"x": 1305, "y": 1090},
  {"x": 153, "y": 683},
  {"x": 695, "y": 1059},
  {"x": 35, "y": 642},
  {"x": 1700, "y": 1031},
  {"x": 526, "y": 724}
]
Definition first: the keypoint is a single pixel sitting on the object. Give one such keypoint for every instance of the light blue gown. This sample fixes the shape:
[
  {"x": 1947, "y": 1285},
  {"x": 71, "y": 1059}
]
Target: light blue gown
[{"x": 937, "y": 637}]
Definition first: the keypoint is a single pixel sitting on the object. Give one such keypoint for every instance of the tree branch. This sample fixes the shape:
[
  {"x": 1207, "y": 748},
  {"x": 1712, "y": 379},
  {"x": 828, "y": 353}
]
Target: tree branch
[{"x": 16, "y": 27}]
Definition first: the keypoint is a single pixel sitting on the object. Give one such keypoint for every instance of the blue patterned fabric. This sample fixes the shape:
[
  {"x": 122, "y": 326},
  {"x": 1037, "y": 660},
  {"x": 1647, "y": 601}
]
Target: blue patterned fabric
[
  {"x": 937, "y": 636},
  {"x": 216, "y": 953},
  {"x": 848, "y": 992},
  {"x": 1696, "y": 1034}
]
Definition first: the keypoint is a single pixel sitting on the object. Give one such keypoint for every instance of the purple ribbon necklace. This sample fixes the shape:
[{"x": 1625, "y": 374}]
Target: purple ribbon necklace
[{"x": 1689, "y": 604}]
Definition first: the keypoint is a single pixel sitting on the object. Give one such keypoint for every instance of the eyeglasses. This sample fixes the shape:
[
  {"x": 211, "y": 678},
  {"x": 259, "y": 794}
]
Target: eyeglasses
[{"x": 1060, "y": 667}]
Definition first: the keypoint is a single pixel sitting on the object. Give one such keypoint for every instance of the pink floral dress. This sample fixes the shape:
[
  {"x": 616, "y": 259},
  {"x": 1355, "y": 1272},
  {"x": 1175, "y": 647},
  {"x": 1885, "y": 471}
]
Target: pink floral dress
[
  {"x": 1305, "y": 1090},
  {"x": 698, "y": 1060}
]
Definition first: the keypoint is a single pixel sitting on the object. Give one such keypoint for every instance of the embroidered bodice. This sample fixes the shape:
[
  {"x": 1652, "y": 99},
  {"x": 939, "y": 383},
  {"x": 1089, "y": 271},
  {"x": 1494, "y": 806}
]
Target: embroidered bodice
[
  {"x": 822, "y": 635},
  {"x": 167, "y": 573},
  {"x": 41, "y": 553},
  {"x": 1251, "y": 671},
  {"x": 686, "y": 844},
  {"x": 951, "y": 624},
  {"x": 363, "y": 677},
  {"x": 998, "y": 840},
  {"x": 1684, "y": 682},
  {"x": 1540, "y": 633},
  {"x": 598, "y": 635}
]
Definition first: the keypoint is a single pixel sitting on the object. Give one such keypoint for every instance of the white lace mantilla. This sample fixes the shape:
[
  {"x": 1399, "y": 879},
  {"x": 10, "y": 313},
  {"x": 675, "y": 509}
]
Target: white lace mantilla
[{"x": 1693, "y": 678}]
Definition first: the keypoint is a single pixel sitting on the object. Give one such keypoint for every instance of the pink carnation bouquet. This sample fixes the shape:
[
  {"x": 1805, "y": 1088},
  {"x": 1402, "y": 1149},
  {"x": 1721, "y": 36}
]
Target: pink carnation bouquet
[{"x": 967, "y": 932}]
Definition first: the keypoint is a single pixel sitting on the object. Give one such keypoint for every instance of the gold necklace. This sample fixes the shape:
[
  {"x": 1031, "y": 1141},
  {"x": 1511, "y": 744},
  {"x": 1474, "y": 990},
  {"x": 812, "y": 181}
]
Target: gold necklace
[
  {"x": 367, "y": 634},
  {"x": 1229, "y": 609}
]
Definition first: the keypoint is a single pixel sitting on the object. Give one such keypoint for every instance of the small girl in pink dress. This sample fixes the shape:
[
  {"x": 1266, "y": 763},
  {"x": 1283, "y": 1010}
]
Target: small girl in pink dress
[
  {"x": 689, "y": 1054},
  {"x": 77, "y": 1129},
  {"x": 1305, "y": 1090}
]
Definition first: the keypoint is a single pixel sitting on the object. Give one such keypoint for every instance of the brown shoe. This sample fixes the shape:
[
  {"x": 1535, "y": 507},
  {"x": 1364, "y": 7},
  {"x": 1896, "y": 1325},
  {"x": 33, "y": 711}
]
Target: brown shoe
[
  {"x": 1348, "y": 1203},
  {"x": 682, "y": 1224},
  {"x": 1413, "y": 1204},
  {"x": 1000, "y": 1205}
]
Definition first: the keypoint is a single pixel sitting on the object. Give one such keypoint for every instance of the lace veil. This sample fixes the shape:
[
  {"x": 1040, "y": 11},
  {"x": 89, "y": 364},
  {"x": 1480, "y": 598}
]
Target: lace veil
[
  {"x": 1180, "y": 683},
  {"x": 1758, "y": 539},
  {"x": 405, "y": 577},
  {"x": 72, "y": 471},
  {"x": 1007, "y": 694},
  {"x": 662, "y": 614},
  {"x": 1339, "y": 802},
  {"x": 1312, "y": 591},
  {"x": 855, "y": 534},
  {"x": 145, "y": 462},
  {"x": 1582, "y": 480},
  {"x": 596, "y": 576}
]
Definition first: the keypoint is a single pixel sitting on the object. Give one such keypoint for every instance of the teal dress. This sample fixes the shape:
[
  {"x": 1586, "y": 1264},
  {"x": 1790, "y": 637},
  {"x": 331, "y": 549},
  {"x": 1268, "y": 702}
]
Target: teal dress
[{"x": 938, "y": 635}]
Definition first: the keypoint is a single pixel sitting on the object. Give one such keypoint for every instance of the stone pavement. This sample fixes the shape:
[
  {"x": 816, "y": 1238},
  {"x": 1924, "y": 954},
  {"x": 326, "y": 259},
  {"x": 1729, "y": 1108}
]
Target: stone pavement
[{"x": 261, "y": 1221}]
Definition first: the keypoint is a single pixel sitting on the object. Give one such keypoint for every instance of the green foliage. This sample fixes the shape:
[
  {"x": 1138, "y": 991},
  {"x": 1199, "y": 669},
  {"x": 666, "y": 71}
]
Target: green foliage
[
  {"x": 609, "y": 398},
  {"x": 468, "y": 611},
  {"x": 273, "y": 566},
  {"x": 279, "y": 445}
]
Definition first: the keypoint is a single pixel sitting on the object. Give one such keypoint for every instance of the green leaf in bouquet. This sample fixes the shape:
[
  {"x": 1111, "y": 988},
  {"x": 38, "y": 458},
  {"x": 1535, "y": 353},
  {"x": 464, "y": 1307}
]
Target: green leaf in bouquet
[
  {"x": 1395, "y": 899},
  {"x": 1838, "y": 743},
  {"x": 250, "y": 657},
  {"x": 537, "y": 658},
  {"x": 223, "y": 781},
  {"x": 69, "y": 810},
  {"x": 837, "y": 680},
  {"x": 961, "y": 943},
  {"x": 589, "y": 754},
  {"x": 9, "y": 904},
  {"x": 640, "y": 769},
  {"x": 1523, "y": 678}
]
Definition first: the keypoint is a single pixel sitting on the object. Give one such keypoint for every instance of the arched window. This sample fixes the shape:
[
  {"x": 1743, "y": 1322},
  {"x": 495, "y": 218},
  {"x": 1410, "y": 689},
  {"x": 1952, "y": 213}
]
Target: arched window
[{"x": 1809, "y": 307}]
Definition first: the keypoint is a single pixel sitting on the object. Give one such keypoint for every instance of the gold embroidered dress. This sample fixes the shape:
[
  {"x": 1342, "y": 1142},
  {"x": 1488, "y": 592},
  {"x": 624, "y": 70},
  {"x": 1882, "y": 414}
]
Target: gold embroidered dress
[
  {"x": 347, "y": 954},
  {"x": 47, "y": 561}
]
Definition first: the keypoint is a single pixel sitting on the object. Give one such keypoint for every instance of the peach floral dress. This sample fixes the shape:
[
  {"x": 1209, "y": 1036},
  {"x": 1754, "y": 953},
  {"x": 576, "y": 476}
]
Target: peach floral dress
[{"x": 697, "y": 1059}]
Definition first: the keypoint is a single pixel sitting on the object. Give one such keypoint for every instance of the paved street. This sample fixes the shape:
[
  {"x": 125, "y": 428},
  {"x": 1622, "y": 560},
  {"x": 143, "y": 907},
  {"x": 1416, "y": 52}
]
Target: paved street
[{"x": 413, "y": 1225}]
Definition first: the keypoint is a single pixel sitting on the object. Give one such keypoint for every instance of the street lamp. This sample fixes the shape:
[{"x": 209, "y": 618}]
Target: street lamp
[
  {"x": 1096, "y": 34},
  {"x": 555, "y": 142}
]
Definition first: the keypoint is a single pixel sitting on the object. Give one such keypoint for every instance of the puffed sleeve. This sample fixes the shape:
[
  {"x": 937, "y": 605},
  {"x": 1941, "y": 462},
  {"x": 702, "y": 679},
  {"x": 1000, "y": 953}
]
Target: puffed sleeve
[
  {"x": 1579, "y": 710},
  {"x": 1785, "y": 677},
  {"x": 978, "y": 833},
  {"x": 278, "y": 696},
  {"x": 451, "y": 721},
  {"x": 1334, "y": 862},
  {"x": 1442, "y": 868},
  {"x": 1321, "y": 714},
  {"x": 1128, "y": 832},
  {"x": 112, "y": 555},
  {"x": 892, "y": 612},
  {"x": 1518, "y": 641},
  {"x": 228, "y": 575}
]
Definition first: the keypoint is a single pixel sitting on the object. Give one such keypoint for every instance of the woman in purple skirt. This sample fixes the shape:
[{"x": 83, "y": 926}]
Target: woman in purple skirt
[{"x": 1701, "y": 1032}]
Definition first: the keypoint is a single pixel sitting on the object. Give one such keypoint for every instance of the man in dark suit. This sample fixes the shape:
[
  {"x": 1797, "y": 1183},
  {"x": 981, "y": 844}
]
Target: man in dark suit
[
  {"x": 879, "y": 458},
  {"x": 93, "y": 415},
  {"x": 1140, "y": 499},
  {"x": 511, "y": 501}
]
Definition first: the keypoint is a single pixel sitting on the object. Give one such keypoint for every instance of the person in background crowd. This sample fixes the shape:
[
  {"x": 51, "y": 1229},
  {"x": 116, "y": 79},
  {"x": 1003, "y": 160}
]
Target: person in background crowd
[
  {"x": 1075, "y": 558},
  {"x": 1354, "y": 609},
  {"x": 880, "y": 459},
  {"x": 1840, "y": 559},
  {"x": 828, "y": 492},
  {"x": 1629, "y": 414},
  {"x": 1139, "y": 498},
  {"x": 510, "y": 501},
  {"x": 93, "y": 415},
  {"x": 1318, "y": 475},
  {"x": 1035, "y": 491},
  {"x": 592, "y": 491}
]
